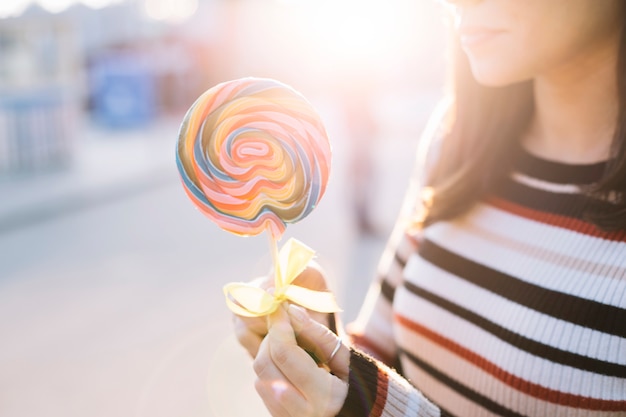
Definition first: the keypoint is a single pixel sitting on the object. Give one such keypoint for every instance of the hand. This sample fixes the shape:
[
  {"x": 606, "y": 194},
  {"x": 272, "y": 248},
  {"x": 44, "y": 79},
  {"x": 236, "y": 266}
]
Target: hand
[
  {"x": 250, "y": 331},
  {"x": 289, "y": 381}
]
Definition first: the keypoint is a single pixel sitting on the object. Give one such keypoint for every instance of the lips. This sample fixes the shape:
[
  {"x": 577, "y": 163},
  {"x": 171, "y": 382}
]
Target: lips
[{"x": 476, "y": 36}]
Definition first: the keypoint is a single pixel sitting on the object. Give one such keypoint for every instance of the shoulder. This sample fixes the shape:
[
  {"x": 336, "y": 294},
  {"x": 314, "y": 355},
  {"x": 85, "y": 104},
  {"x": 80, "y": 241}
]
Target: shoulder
[
  {"x": 428, "y": 154},
  {"x": 432, "y": 138}
]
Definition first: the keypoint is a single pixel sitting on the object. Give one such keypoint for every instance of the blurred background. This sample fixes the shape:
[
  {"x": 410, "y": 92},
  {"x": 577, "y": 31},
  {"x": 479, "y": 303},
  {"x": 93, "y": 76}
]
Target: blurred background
[{"x": 110, "y": 280}]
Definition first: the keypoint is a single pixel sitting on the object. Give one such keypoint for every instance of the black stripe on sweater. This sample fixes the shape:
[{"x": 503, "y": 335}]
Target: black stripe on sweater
[
  {"x": 460, "y": 388},
  {"x": 363, "y": 381},
  {"x": 558, "y": 172},
  {"x": 400, "y": 261},
  {"x": 362, "y": 386},
  {"x": 387, "y": 290},
  {"x": 580, "y": 311},
  {"x": 568, "y": 205},
  {"x": 533, "y": 347}
]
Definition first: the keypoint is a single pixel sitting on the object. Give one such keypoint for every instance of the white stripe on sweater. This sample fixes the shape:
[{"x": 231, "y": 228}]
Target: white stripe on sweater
[
  {"x": 517, "y": 318},
  {"x": 545, "y": 185},
  {"x": 526, "y": 366},
  {"x": 541, "y": 267},
  {"x": 456, "y": 404},
  {"x": 493, "y": 389},
  {"x": 404, "y": 400},
  {"x": 546, "y": 237}
]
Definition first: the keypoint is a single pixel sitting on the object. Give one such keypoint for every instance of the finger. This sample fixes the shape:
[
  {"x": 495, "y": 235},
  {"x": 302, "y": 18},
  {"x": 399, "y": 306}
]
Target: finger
[
  {"x": 324, "y": 344},
  {"x": 279, "y": 395},
  {"x": 250, "y": 332},
  {"x": 250, "y": 341},
  {"x": 293, "y": 361},
  {"x": 257, "y": 325},
  {"x": 312, "y": 277},
  {"x": 281, "y": 398},
  {"x": 325, "y": 393}
]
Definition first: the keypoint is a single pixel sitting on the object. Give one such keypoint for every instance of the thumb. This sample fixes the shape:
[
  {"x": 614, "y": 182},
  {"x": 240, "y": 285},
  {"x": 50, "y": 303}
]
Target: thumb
[
  {"x": 320, "y": 341},
  {"x": 279, "y": 325}
]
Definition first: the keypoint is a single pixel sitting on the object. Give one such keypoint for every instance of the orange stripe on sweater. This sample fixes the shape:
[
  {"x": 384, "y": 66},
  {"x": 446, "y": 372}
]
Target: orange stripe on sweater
[
  {"x": 526, "y": 387},
  {"x": 382, "y": 386},
  {"x": 557, "y": 220}
]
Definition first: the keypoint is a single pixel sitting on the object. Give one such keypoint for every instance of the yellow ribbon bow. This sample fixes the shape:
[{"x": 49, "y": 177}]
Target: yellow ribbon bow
[{"x": 249, "y": 300}]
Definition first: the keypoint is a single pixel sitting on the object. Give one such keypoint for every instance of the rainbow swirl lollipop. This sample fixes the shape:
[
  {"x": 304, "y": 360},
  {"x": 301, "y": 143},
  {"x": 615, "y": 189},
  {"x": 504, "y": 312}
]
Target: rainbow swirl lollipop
[{"x": 253, "y": 155}]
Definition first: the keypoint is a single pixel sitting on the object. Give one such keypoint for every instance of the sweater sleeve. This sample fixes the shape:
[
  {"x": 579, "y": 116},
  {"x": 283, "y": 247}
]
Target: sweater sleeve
[{"x": 378, "y": 391}]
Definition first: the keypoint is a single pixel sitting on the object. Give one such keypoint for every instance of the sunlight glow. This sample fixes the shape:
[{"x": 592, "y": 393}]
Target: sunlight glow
[
  {"x": 279, "y": 387},
  {"x": 55, "y": 6},
  {"x": 11, "y": 8},
  {"x": 351, "y": 26},
  {"x": 174, "y": 11},
  {"x": 355, "y": 33},
  {"x": 99, "y": 4},
  {"x": 14, "y": 8}
]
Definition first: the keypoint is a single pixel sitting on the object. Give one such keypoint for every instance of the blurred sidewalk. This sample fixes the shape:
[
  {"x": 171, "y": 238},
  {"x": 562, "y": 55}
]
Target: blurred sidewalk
[{"x": 107, "y": 165}]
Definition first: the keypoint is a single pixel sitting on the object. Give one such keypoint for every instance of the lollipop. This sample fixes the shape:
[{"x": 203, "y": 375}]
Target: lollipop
[{"x": 253, "y": 155}]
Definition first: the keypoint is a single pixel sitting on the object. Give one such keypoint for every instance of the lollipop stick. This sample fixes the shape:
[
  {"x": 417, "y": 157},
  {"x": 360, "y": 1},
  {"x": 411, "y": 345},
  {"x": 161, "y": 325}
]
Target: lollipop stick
[{"x": 278, "y": 279}]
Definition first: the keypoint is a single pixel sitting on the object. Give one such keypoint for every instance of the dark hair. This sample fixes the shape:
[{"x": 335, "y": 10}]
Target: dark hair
[{"x": 483, "y": 126}]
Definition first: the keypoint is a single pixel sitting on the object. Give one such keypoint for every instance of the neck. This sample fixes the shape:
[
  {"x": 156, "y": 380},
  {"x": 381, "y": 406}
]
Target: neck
[{"x": 576, "y": 110}]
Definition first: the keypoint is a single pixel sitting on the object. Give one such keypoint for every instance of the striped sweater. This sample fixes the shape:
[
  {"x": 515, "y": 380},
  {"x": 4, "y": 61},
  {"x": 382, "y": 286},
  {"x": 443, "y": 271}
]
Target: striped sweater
[{"x": 517, "y": 308}]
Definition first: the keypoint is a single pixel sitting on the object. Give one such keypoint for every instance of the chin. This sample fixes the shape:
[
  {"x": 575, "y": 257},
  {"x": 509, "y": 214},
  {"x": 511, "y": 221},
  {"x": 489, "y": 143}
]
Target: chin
[{"x": 492, "y": 75}]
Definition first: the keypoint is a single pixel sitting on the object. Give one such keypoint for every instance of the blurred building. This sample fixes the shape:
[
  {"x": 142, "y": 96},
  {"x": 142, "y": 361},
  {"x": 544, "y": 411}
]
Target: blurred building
[
  {"x": 40, "y": 89},
  {"x": 112, "y": 66}
]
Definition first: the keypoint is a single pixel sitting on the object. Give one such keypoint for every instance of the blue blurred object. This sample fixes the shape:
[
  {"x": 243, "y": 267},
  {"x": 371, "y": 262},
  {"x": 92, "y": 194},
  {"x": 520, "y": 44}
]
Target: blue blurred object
[
  {"x": 123, "y": 90},
  {"x": 37, "y": 129}
]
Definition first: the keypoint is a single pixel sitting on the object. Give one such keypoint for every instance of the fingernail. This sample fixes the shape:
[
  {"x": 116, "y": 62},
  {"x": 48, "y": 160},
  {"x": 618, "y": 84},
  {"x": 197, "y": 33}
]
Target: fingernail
[{"x": 298, "y": 316}]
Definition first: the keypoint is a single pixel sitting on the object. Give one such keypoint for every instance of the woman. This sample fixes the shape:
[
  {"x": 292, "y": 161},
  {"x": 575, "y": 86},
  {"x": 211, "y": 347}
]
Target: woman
[{"x": 509, "y": 297}]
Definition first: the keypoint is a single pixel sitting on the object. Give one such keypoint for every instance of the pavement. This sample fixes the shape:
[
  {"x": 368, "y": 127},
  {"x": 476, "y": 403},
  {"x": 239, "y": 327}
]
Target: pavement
[
  {"x": 110, "y": 280},
  {"x": 106, "y": 165}
]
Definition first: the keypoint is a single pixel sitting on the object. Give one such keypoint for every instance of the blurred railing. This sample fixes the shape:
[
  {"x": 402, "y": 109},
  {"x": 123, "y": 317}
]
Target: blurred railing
[{"x": 40, "y": 88}]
